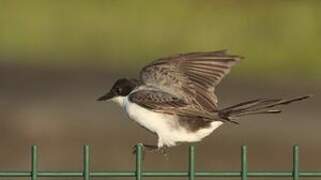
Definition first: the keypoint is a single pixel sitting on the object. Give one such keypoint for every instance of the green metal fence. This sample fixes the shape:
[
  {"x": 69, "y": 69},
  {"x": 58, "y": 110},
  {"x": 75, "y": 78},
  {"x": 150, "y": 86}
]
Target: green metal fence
[{"x": 87, "y": 173}]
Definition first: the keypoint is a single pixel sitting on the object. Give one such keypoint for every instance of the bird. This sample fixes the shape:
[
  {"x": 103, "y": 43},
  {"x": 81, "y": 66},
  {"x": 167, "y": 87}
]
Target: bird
[{"x": 174, "y": 98}]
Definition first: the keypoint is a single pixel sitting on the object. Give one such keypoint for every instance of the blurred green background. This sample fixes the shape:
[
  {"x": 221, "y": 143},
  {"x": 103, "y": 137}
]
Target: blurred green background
[
  {"x": 57, "y": 57},
  {"x": 281, "y": 34}
]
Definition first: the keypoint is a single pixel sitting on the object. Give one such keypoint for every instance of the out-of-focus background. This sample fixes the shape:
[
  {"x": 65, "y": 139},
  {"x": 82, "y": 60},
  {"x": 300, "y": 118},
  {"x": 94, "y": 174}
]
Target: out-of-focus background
[{"x": 57, "y": 57}]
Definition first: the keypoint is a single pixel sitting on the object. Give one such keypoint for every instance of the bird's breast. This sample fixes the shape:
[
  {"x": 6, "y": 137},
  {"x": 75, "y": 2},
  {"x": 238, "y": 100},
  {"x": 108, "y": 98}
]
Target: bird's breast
[{"x": 153, "y": 121}]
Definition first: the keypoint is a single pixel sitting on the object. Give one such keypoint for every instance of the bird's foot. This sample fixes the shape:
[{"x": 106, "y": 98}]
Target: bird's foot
[
  {"x": 152, "y": 148},
  {"x": 146, "y": 147},
  {"x": 163, "y": 150}
]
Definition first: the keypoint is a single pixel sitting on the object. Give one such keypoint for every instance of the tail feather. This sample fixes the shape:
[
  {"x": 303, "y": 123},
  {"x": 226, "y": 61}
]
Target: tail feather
[
  {"x": 270, "y": 111},
  {"x": 257, "y": 106}
]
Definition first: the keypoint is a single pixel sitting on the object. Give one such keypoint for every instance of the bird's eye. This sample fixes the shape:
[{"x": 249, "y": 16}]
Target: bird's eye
[{"x": 118, "y": 90}]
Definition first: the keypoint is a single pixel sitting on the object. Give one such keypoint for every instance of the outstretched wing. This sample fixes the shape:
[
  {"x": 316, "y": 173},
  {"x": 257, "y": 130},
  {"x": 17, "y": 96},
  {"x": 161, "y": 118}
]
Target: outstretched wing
[{"x": 192, "y": 75}]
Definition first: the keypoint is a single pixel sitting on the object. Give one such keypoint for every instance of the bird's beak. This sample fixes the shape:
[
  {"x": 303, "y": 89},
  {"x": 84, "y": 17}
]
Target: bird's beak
[{"x": 107, "y": 96}]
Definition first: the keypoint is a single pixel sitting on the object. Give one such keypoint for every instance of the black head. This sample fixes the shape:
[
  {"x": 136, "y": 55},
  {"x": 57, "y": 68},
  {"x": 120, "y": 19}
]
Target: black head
[{"x": 122, "y": 87}]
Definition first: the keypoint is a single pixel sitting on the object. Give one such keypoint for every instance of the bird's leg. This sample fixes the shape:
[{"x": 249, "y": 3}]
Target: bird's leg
[
  {"x": 152, "y": 148},
  {"x": 146, "y": 147}
]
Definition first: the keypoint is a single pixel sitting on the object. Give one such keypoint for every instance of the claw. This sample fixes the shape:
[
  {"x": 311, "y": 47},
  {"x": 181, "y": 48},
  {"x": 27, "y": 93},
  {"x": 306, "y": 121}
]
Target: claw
[
  {"x": 146, "y": 147},
  {"x": 163, "y": 150},
  {"x": 151, "y": 148}
]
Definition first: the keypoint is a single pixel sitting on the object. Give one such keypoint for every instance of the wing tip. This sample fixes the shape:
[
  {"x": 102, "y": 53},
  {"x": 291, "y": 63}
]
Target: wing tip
[
  {"x": 224, "y": 53},
  {"x": 236, "y": 57}
]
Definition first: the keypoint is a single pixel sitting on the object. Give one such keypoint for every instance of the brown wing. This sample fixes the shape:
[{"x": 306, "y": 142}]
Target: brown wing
[
  {"x": 156, "y": 100},
  {"x": 194, "y": 75},
  {"x": 166, "y": 103}
]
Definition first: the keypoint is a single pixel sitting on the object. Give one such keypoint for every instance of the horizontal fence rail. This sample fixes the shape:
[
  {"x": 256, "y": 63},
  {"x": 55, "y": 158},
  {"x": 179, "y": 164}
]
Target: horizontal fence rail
[{"x": 139, "y": 173}]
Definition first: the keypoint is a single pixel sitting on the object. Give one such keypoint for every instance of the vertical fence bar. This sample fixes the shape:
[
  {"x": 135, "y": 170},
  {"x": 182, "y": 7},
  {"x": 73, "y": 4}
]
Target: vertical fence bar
[
  {"x": 34, "y": 162},
  {"x": 191, "y": 162},
  {"x": 295, "y": 161},
  {"x": 86, "y": 162},
  {"x": 139, "y": 161},
  {"x": 244, "y": 164}
]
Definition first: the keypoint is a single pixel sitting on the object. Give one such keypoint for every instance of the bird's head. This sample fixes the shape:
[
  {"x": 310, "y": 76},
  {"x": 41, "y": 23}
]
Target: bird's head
[{"x": 121, "y": 88}]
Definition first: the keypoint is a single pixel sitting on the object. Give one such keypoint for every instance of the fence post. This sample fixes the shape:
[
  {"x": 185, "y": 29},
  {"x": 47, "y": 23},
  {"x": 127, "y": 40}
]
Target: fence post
[
  {"x": 244, "y": 164},
  {"x": 139, "y": 161},
  {"x": 191, "y": 162},
  {"x": 86, "y": 162},
  {"x": 295, "y": 161},
  {"x": 34, "y": 162}
]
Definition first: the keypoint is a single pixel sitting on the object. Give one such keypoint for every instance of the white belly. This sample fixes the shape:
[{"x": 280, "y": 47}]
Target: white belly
[{"x": 165, "y": 126}]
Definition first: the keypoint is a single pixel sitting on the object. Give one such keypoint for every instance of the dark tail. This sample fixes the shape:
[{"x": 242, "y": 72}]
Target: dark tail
[{"x": 258, "y": 106}]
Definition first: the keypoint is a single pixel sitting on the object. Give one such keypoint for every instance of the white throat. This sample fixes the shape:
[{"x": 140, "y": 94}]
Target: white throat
[{"x": 119, "y": 100}]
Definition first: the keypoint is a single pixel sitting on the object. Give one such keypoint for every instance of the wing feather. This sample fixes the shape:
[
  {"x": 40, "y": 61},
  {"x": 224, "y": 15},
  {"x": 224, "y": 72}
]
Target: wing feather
[
  {"x": 166, "y": 103},
  {"x": 156, "y": 100},
  {"x": 192, "y": 76}
]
